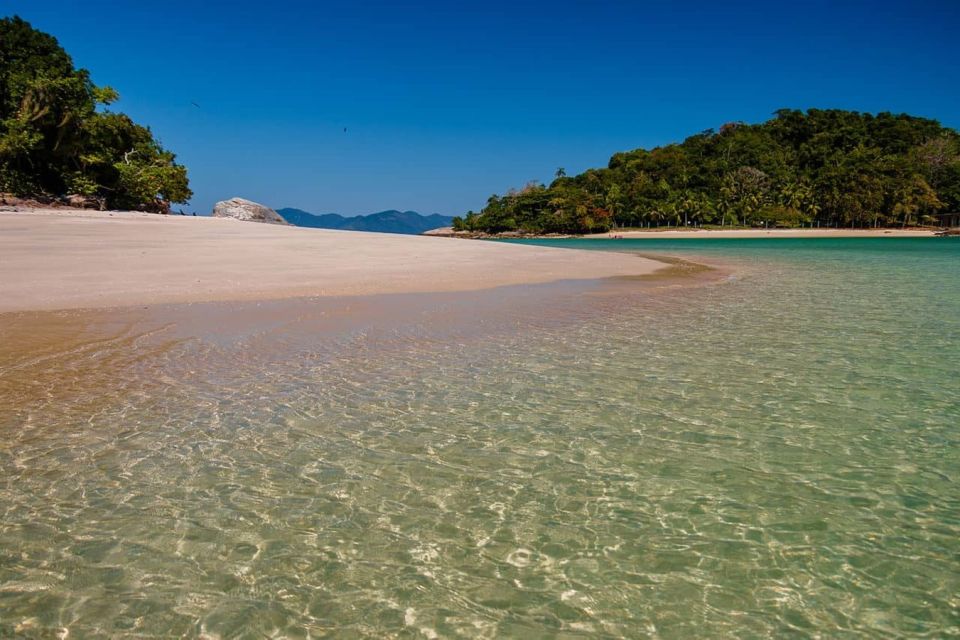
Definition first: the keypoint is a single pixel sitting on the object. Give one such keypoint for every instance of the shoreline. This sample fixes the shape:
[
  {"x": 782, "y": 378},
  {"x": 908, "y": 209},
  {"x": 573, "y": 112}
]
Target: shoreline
[
  {"x": 769, "y": 233},
  {"x": 700, "y": 234},
  {"x": 91, "y": 357},
  {"x": 58, "y": 259}
]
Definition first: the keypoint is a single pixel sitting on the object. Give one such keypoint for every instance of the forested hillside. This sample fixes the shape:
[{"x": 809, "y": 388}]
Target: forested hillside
[
  {"x": 58, "y": 138},
  {"x": 819, "y": 167}
]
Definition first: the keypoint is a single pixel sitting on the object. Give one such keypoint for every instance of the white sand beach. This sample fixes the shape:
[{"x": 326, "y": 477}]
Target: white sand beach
[
  {"x": 768, "y": 233},
  {"x": 69, "y": 259}
]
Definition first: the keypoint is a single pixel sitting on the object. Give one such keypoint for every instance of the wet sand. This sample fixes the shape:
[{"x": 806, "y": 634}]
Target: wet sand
[
  {"x": 86, "y": 359},
  {"x": 56, "y": 260}
]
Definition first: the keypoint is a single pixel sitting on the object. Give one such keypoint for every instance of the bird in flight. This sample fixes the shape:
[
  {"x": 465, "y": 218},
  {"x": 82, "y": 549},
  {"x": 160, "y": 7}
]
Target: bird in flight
[{"x": 195, "y": 104}]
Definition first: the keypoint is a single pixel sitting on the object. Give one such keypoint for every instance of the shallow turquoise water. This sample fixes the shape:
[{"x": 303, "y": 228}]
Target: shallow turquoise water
[{"x": 773, "y": 455}]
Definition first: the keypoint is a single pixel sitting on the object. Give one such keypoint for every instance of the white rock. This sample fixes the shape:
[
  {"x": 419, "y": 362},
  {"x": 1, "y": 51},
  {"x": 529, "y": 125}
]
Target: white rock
[{"x": 241, "y": 209}]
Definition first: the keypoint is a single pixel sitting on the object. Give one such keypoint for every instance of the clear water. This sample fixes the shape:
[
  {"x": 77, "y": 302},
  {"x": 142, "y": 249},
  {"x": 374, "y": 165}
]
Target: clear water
[{"x": 776, "y": 454}]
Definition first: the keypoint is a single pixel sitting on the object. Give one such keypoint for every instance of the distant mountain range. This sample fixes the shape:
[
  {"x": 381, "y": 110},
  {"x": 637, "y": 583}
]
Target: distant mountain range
[{"x": 391, "y": 221}]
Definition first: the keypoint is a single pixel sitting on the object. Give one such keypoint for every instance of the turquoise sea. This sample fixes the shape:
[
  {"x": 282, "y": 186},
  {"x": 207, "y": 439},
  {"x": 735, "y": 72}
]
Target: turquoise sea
[{"x": 769, "y": 451}]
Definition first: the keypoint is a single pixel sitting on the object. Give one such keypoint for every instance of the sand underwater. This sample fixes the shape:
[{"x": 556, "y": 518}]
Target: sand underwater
[{"x": 766, "y": 449}]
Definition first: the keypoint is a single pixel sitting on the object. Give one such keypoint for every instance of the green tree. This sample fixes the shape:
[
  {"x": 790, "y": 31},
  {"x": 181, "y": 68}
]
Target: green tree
[
  {"x": 745, "y": 192},
  {"x": 57, "y": 136},
  {"x": 913, "y": 199},
  {"x": 822, "y": 166}
]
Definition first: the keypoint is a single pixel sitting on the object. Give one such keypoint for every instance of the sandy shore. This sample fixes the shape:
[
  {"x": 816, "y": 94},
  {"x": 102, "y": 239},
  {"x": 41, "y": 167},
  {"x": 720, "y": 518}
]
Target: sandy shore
[
  {"x": 769, "y": 233},
  {"x": 57, "y": 259}
]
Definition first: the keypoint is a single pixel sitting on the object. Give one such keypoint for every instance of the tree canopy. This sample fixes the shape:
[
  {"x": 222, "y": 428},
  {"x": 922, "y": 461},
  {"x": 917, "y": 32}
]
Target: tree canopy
[
  {"x": 818, "y": 167},
  {"x": 57, "y": 136}
]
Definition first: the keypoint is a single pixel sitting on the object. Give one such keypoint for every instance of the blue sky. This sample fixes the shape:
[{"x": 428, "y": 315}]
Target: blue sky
[{"x": 446, "y": 103}]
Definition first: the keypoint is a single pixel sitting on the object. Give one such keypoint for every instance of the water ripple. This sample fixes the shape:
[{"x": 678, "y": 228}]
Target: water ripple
[{"x": 767, "y": 457}]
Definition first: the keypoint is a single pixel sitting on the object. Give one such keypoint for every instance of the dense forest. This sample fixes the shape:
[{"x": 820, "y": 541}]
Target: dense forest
[
  {"x": 58, "y": 137},
  {"x": 815, "y": 168}
]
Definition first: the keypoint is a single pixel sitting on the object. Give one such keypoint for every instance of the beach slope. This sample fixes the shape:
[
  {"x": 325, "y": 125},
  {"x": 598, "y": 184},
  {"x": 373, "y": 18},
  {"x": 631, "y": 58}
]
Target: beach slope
[{"x": 66, "y": 259}]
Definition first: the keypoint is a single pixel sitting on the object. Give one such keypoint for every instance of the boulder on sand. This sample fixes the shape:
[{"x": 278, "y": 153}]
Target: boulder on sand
[{"x": 241, "y": 209}]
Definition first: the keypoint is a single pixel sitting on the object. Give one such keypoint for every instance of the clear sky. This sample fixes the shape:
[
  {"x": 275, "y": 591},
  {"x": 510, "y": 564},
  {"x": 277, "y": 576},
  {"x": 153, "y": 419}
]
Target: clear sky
[{"x": 446, "y": 103}]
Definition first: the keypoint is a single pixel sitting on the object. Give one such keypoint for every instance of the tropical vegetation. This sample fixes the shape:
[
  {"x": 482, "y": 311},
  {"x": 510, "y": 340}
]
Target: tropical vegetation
[
  {"x": 801, "y": 168},
  {"x": 59, "y": 138}
]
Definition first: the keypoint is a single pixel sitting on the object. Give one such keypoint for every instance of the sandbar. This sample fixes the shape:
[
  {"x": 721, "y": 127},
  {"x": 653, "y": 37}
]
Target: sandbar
[{"x": 70, "y": 259}]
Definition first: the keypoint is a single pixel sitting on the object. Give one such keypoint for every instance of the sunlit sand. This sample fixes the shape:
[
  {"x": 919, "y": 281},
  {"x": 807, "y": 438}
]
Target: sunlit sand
[{"x": 69, "y": 260}]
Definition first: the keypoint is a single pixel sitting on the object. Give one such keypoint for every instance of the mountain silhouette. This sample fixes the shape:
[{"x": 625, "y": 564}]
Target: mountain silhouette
[{"x": 391, "y": 221}]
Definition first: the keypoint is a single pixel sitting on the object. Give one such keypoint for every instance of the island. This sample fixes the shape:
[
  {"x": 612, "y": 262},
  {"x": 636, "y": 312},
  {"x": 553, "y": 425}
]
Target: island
[{"x": 820, "y": 168}]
